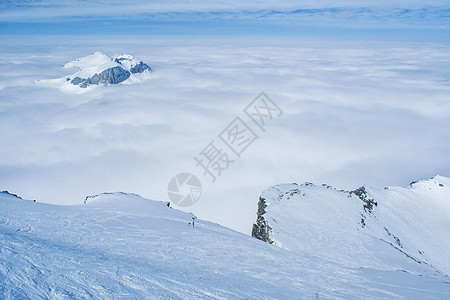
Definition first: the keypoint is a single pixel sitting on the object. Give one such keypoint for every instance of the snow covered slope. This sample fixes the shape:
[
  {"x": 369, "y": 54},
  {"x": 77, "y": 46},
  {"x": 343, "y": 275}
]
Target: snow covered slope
[
  {"x": 101, "y": 69},
  {"x": 389, "y": 229},
  {"x": 121, "y": 246}
]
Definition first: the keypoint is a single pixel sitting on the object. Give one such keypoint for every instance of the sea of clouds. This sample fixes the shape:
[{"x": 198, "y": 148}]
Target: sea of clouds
[{"x": 355, "y": 113}]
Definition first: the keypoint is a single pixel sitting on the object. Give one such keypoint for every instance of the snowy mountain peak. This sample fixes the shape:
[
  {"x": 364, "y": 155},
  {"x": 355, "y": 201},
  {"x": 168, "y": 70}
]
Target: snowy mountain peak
[
  {"x": 95, "y": 60},
  {"x": 366, "y": 227},
  {"x": 100, "y": 69},
  {"x": 127, "y": 202},
  {"x": 431, "y": 183}
]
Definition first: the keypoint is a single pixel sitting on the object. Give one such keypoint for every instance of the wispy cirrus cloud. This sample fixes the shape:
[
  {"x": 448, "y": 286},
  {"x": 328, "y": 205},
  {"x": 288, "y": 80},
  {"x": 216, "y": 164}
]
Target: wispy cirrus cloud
[{"x": 211, "y": 17}]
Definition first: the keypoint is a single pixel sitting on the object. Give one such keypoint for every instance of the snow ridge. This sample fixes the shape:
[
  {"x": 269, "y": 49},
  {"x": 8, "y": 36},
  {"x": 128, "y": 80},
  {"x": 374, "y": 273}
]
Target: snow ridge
[{"x": 366, "y": 227}]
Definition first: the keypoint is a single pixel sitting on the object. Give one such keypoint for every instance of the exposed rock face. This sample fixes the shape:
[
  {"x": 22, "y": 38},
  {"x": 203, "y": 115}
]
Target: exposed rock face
[
  {"x": 77, "y": 80},
  {"x": 362, "y": 194},
  {"x": 369, "y": 203},
  {"x": 139, "y": 68},
  {"x": 261, "y": 229},
  {"x": 113, "y": 75}
]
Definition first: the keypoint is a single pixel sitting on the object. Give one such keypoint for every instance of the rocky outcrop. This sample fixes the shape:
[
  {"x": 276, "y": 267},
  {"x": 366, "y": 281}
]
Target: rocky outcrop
[
  {"x": 362, "y": 194},
  {"x": 10, "y": 194},
  {"x": 261, "y": 229},
  {"x": 369, "y": 203},
  {"x": 113, "y": 75},
  {"x": 134, "y": 67}
]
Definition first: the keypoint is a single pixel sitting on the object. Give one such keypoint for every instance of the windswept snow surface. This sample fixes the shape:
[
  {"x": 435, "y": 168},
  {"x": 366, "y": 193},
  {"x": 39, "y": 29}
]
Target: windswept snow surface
[{"x": 122, "y": 246}]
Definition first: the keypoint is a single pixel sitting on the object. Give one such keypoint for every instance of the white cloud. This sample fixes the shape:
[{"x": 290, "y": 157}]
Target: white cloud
[{"x": 355, "y": 113}]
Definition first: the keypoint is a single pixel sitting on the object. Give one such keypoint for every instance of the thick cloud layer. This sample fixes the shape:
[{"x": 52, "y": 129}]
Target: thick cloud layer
[{"x": 372, "y": 113}]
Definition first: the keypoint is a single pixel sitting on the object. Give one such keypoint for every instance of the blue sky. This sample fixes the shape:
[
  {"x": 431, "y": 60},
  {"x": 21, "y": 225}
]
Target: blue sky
[{"x": 346, "y": 18}]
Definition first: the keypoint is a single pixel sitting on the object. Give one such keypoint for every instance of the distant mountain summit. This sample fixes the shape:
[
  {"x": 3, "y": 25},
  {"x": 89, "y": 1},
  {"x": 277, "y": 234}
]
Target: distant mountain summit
[{"x": 100, "y": 69}]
